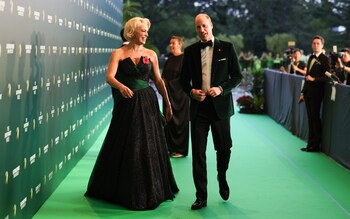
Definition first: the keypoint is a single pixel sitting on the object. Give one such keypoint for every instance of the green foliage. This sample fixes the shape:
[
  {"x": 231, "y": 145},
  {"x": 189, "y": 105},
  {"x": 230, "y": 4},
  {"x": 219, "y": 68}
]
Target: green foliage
[
  {"x": 254, "y": 20},
  {"x": 189, "y": 41},
  {"x": 130, "y": 10},
  {"x": 161, "y": 32},
  {"x": 258, "y": 89},
  {"x": 253, "y": 99},
  {"x": 279, "y": 42},
  {"x": 236, "y": 40},
  {"x": 152, "y": 47}
]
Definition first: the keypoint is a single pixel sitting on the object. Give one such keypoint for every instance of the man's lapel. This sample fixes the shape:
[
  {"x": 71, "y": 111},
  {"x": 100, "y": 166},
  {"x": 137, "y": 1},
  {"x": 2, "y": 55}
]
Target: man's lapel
[
  {"x": 216, "y": 50},
  {"x": 197, "y": 57},
  {"x": 312, "y": 61}
]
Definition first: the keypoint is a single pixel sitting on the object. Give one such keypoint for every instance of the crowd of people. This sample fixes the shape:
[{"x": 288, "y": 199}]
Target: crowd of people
[
  {"x": 294, "y": 61},
  {"x": 318, "y": 68},
  {"x": 133, "y": 167}
]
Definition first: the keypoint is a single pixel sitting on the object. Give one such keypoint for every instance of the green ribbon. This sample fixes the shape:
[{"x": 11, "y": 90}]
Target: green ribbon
[{"x": 133, "y": 84}]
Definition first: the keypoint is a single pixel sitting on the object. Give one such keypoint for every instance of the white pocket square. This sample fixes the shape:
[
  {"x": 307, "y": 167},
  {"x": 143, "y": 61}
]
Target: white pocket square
[{"x": 221, "y": 59}]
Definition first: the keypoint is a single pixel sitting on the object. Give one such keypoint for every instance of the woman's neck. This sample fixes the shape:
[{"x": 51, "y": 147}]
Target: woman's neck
[{"x": 135, "y": 48}]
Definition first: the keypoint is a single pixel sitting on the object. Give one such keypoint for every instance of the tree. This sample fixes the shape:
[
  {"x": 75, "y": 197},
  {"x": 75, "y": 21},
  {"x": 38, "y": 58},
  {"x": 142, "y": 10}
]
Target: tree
[
  {"x": 168, "y": 18},
  {"x": 268, "y": 17},
  {"x": 236, "y": 40},
  {"x": 278, "y": 43},
  {"x": 130, "y": 10},
  {"x": 254, "y": 20},
  {"x": 342, "y": 11}
]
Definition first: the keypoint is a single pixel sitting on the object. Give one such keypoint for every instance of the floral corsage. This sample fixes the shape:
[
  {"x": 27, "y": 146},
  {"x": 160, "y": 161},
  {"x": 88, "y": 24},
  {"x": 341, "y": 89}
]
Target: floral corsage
[
  {"x": 317, "y": 62},
  {"x": 145, "y": 60}
]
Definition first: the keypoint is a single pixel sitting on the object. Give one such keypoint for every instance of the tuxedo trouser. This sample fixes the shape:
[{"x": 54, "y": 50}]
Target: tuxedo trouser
[
  {"x": 207, "y": 118},
  {"x": 313, "y": 108}
]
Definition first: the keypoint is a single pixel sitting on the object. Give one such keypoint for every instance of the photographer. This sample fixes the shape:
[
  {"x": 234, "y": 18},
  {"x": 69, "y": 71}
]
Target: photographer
[
  {"x": 343, "y": 66},
  {"x": 296, "y": 66}
]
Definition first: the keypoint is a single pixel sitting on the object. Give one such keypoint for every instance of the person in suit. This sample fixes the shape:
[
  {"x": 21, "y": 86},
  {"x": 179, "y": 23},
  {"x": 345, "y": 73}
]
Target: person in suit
[
  {"x": 210, "y": 71},
  {"x": 313, "y": 91}
]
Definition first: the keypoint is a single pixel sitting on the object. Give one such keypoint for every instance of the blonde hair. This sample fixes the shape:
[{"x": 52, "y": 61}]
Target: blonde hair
[{"x": 132, "y": 24}]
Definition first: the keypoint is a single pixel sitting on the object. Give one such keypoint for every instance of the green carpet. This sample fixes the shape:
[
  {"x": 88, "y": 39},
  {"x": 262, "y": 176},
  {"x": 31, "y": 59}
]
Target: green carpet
[{"x": 269, "y": 178}]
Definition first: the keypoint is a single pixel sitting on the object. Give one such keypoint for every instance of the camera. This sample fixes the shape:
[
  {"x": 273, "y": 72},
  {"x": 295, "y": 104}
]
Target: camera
[
  {"x": 334, "y": 56},
  {"x": 289, "y": 53}
]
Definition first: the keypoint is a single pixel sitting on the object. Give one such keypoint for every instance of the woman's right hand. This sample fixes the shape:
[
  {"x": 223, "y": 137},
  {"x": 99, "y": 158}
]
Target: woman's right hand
[{"x": 126, "y": 92}]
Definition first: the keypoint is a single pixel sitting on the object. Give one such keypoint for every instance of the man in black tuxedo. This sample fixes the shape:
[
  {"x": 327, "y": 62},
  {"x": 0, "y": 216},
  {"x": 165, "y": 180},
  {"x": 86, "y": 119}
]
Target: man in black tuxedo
[
  {"x": 209, "y": 73},
  {"x": 313, "y": 91}
]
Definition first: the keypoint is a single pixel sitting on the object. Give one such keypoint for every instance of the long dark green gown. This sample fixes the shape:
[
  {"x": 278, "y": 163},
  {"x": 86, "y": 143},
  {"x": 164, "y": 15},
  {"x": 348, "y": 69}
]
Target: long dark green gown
[{"x": 133, "y": 167}]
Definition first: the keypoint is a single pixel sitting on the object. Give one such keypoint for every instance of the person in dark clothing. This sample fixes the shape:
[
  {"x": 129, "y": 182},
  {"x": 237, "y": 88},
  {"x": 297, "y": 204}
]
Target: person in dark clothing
[
  {"x": 133, "y": 167},
  {"x": 343, "y": 66},
  {"x": 177, "y": 129},
  {"x": 210, "y": 71},
  {"x": 313, "y": 91},
  {"x": 296, "y": 66}
]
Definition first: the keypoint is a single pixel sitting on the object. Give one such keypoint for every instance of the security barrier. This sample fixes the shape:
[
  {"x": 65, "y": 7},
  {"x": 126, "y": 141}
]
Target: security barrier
[
  {"x": 54, "y": 100},
  {"x": 282, "y": 92}
]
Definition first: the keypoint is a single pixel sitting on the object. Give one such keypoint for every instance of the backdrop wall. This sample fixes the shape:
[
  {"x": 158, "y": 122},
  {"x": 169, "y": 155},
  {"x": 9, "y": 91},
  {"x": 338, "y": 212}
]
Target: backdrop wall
[{"x": 54, "y": 100}]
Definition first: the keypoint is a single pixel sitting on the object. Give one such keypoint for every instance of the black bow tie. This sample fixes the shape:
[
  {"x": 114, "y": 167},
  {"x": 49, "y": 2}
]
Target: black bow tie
[
  {"x": 313, "y": 56},
  {"x": 205, "y": 44}
]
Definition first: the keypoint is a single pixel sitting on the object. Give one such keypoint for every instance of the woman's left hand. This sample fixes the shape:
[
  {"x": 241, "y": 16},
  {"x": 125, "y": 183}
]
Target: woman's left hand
[{"x": 168, "y": 113}]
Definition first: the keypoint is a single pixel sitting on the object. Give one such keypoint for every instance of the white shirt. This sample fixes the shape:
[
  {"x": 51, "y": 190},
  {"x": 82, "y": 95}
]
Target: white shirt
[{"x": 206, "y": 60}]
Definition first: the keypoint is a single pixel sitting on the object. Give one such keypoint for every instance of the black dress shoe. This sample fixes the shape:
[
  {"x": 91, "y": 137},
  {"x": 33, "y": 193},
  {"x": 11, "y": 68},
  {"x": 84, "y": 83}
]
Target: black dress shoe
[
  {"x": 310, "y": 149},
  {"x": 224, "y": 189},
  {"x": 198, "y": 204}
]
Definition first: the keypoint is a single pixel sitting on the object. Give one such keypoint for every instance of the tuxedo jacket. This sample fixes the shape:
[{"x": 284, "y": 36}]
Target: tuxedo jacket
[
  {"x": 225, "y": 72},
  {"x": 317, "y": 71}
]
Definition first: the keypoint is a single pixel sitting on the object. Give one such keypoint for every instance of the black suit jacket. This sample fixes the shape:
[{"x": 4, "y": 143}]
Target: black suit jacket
[
  {"x": 225, "y": 72},
  {"x": 317, "y": 71}
]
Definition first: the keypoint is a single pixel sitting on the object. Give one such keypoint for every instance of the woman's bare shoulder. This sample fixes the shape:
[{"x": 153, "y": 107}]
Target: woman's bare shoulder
[
  {"x": 119, "y": 53},
  {"x": 150, "y": 53}
]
